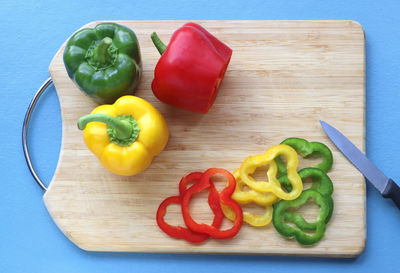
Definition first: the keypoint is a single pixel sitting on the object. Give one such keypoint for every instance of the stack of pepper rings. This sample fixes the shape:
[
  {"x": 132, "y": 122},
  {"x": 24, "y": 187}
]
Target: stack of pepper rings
[
  {"x": 282, "y": 194},
  {"x": 320, "y": 192},
  {"x": 197, "y": 233}
]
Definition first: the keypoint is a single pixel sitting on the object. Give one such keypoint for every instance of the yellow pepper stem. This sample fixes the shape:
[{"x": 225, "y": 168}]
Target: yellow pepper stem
[{"x": 122, "y": 130}]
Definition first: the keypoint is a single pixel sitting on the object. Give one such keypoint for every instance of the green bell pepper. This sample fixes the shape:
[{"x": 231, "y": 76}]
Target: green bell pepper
[
  {"x": 104, "y": 61},
  {"x": 320, "y": 182},
  {"x": 306, "y": 149},
  {"x": 281, "y": 216}
]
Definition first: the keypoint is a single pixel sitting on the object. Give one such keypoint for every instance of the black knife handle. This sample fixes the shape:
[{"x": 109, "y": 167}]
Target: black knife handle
[{"x": 392, "y": 190}]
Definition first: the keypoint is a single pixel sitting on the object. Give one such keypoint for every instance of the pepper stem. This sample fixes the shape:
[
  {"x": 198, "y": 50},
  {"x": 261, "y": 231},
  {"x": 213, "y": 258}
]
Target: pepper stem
[
  {"x": 158, "y": 43},
  {"x": 100, "y": 52},
  {"x": 122, "y": 130}
]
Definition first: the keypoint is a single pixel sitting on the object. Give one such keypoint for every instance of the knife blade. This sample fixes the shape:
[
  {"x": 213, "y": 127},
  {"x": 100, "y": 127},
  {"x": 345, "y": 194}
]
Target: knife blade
[{"x": 386, "y": 186}]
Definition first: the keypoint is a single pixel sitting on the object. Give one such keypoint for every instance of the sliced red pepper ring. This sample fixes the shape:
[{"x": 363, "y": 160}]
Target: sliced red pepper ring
[
  {"x": 224, "y": 197},
  {"x": 182, "y": 232},
  {"x": 193, "y": 177},
  {"x": 177, "y": 231}
]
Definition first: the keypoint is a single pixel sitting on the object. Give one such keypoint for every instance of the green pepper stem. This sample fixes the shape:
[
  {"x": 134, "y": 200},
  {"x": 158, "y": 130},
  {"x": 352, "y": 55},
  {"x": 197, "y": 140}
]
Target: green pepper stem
[
  {"x": 100, "y": 52},
  {"x": 123, "y": 129},
  {"x": 158, "y": 43}
]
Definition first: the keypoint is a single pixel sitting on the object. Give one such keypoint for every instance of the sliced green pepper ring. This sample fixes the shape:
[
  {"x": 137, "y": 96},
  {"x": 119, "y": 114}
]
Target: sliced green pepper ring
[
  {"x": 307, "y": 149},
  {"x": 299, "y": 221},
  {"x": 281, "y": 215},
  {"x": 320, "y": 182}
]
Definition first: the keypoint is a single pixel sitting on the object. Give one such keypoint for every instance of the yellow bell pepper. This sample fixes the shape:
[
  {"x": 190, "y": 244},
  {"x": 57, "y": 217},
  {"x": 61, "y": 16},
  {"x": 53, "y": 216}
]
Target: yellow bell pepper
[
  {"x": 126, "y": 135},
  {"x": 272, "y": 185}
]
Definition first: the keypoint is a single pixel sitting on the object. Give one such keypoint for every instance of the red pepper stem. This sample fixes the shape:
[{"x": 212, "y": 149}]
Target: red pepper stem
[
  {"x": 123, "y": 129},
  {"x": 158, "y": 43}
]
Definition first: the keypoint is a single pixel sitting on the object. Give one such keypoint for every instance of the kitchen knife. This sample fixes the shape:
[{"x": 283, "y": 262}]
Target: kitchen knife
[{"x": 386, "y": 186}]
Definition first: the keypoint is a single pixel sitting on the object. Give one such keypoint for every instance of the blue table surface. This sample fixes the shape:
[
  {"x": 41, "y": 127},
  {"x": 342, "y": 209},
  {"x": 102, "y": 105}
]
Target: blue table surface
[{"x": 31, "y": 33}]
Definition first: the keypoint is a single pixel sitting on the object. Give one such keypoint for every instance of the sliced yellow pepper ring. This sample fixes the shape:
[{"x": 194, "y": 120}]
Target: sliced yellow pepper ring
[
  {"x": 250, "y": 218},
  {"x": 272, "y": 185},
  {"x": 244, "y": 197}
]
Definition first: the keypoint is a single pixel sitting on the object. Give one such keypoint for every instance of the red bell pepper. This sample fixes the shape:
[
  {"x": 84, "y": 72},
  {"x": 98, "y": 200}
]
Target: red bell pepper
[
  {"x": 182, "y": 232},
  {"x": 190, "y": 69},
  {"x": 224, "y": 197}
]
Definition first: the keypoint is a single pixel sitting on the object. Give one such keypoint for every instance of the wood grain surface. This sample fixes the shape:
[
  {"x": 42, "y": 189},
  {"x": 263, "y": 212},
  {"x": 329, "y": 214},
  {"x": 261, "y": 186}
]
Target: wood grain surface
[{"x": 284, "y": 77}]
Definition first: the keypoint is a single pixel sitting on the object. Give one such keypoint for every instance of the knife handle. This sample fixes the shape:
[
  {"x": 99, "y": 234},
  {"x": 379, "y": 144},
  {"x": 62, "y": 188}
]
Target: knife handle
[{"x": 392, "y": 190}]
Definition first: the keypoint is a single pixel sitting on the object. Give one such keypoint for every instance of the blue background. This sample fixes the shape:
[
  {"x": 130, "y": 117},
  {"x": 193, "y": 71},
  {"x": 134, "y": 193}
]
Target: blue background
[{"x": 30, "y": 34}]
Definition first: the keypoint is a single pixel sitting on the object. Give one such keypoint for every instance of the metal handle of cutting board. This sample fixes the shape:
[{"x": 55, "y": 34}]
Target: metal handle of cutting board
[{"x": 46, "y": 84}]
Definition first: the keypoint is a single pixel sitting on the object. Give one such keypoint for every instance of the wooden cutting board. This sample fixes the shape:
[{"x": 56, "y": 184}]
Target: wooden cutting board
[{"x": 284, "y": 76}]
